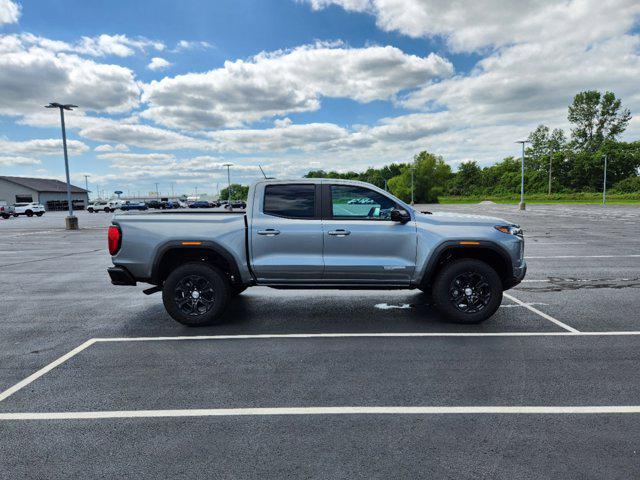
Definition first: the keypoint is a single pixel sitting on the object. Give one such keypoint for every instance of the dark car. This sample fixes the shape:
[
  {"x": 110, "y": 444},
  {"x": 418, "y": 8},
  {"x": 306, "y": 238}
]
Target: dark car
[
  {"x": 241, "y": 204},
  {"x": 199, "y": 204},
  {"x": 157, "y": 204},
  {"x": 133, "y": 206}
]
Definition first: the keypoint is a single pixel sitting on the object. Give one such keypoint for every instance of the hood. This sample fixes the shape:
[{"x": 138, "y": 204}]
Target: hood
[{"x": 451, "y": 218}]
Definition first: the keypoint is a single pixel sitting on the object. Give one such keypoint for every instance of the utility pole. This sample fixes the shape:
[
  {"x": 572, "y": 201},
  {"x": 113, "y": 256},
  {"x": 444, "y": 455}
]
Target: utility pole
[
  {"x": 172, "y": 194},
  {"x": 412, "y": 171},
  {"x": 71, "y": 222},
  {"x": 228, "y": 165},
  {"x": 157, "y": 194},
  {"x": 196, "y": 193},
  {"x": 522, "y": 205},
  {"x": 550, "y": 157},
  {"x": 385, "y": 185},
  {"x": 604, "y": 183}
]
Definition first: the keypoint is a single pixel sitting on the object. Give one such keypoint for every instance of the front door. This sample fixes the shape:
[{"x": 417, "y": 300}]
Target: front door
[
  {"x": 361, "y": 243},
  {"x": 286, "y": 234}
]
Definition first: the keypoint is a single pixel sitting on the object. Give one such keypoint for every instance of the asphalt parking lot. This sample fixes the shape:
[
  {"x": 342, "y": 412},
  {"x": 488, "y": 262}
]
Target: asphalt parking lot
[{"x": 98, "y": 381}]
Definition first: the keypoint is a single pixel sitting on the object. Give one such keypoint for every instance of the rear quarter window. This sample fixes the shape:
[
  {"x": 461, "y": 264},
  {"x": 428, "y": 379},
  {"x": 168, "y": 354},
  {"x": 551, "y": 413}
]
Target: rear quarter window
[{"x": 291, "y": 201}]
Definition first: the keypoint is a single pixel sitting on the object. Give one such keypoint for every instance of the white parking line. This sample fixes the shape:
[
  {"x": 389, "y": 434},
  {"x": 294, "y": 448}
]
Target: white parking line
[
  {"x": 34, "y": 376},
  {"x": 584, "y": 256},
  {"x": 542, "y": 314},
  {"x": 391, "y": 410},
  {"x": 570, "y": 333}
]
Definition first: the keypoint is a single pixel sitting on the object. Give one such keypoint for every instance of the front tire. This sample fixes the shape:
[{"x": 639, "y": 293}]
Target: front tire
[
  {"x": 467, "y": 291},
  {"x": 196, "y": 294},
  {"x": 29, "y": 213},
  {"x": 39, "y": 214}
]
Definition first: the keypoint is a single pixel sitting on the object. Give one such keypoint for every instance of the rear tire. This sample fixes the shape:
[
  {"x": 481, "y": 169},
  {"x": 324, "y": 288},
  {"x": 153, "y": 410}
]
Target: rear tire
[
  {"x": 29, "y": 213},
  {"x": 195, "y": 294},
  {"x": 5, "y": 216},
  {"x": 467, "y": 291}
]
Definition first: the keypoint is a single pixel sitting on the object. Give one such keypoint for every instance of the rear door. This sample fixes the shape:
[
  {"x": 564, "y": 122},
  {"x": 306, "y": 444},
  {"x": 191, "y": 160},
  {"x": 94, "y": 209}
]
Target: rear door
[
  {"x": 361, "y": 243},
  {"x": 286, "y": 234}
]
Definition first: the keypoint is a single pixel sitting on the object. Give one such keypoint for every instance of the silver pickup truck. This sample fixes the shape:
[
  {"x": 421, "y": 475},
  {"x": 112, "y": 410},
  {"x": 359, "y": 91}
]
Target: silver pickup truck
[{"x": 317, "y": 233}]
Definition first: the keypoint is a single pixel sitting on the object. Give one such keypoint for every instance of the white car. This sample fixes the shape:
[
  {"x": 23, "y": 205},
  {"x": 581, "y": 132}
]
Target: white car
[
  {"x": 28, "y": 209},
  {"x": 101, "y": 207}
]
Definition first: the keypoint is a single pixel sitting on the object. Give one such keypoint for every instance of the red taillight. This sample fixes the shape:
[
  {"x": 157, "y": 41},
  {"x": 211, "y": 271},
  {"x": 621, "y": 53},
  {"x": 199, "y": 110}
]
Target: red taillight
[{"x": 115, "y": 238}]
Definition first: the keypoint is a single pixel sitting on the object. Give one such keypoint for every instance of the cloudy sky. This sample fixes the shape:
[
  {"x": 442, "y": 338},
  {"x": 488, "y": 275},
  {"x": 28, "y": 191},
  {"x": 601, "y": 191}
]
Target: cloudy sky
[{"x": 169, "y": 91}]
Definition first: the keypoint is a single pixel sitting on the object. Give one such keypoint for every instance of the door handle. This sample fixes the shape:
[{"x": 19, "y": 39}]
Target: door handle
[
  {"x": 339, "y": 233},
  {"x": 270, "y": 232}
]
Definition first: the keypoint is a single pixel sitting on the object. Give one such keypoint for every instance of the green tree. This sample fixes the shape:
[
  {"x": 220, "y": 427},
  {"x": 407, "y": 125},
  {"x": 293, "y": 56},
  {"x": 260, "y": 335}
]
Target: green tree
[
  {"x": 431, "y": 174},
  {"x": 467, "y": 180},
  {"x": 596, "y": 118},
  {"x": 238, "y": 192}
]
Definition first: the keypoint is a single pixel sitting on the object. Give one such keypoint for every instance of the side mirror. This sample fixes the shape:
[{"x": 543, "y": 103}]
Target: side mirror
[{"x": 400, "y": 215}]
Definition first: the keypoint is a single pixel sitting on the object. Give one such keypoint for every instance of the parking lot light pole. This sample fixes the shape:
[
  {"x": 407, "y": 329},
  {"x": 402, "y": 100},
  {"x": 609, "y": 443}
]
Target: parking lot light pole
[
  {"x": 550, "y": 157},
  {"x": 604, "y": 183},
  {"x": 228, "y": 165},
  {"x": 522, "y": 205},
  {"x": 412, "y": 175},
  {"x": 71, "y": 222}
]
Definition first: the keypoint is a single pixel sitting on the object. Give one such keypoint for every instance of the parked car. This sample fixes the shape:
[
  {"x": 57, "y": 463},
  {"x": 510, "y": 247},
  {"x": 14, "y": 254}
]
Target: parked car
[
  {"x": 156, "y": 204},
  {"x": 29, "y": 209},
  {"x": 100, "y": 207},
  {"x": 288, "y": 238},
  {"x": 199, "y": 204},
  {"x": 172, "y": 204},
  {"x": 235, "y": 204},
  {"x": 127, "y": 206},
  {"x": 6, "y": 210}
]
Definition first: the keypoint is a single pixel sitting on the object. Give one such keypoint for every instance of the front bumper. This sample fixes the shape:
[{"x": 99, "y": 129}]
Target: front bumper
[
  {"x": 120, "y": 276},
  {"x": 518, "y": 275}
]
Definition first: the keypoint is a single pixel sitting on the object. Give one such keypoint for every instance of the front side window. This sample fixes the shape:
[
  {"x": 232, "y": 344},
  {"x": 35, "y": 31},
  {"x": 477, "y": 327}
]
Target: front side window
[
  {"x": 291, "y": 201},
  {"x": 358, "y": 202}
]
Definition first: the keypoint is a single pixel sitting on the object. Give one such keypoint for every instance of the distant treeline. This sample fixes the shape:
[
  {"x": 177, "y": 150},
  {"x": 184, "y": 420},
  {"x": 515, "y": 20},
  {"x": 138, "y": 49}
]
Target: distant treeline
[{"x": 576, "y": 161}]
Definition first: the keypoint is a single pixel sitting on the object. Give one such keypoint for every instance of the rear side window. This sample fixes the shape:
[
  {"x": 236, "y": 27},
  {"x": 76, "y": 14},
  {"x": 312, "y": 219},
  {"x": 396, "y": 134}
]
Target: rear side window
[{"x": 293, "y": 201}]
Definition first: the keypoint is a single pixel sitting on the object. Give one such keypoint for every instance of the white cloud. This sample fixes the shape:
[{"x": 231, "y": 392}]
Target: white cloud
[
  {"x": 284, "y": 137},
  {"x": 143, "y": 136},
  {"x": 120, "y": 147},
  {"x": 118, "y": 45},
  {"x": 100, "y": 46},
  {"x": 158, "y": 63},
  {"x": 9, "y": 161},
  {"x": 184, "y": 45},
  {"x": 9, "y": 11},
  {"x": 39, "y": 147},
  {"x": 32, "y": 76},
  {"x": 469, "y": 26},
  {"x": 286, "y": 81},
  {"x": 135, "y": 157},
  {"x": 525, "y": 82}
]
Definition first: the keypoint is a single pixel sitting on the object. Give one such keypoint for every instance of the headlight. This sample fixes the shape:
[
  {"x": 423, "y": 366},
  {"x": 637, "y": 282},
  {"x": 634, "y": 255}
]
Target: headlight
[{"x": 510, "y": 229}]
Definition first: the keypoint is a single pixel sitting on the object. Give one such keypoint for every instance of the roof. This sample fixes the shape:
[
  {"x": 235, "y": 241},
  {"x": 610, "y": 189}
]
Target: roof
[{"x": 43, "y": 184}]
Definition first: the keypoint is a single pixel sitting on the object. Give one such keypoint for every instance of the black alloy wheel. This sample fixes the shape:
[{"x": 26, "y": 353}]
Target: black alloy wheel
[
  {"x": 467, "y": 291},
  {"x": 470, "y": 292},
  {"x": 194, "y": 295}
]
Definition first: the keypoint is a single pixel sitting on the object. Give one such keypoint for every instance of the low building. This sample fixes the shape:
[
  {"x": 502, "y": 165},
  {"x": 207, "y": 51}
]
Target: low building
[{"x": 50, "y": 193}]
